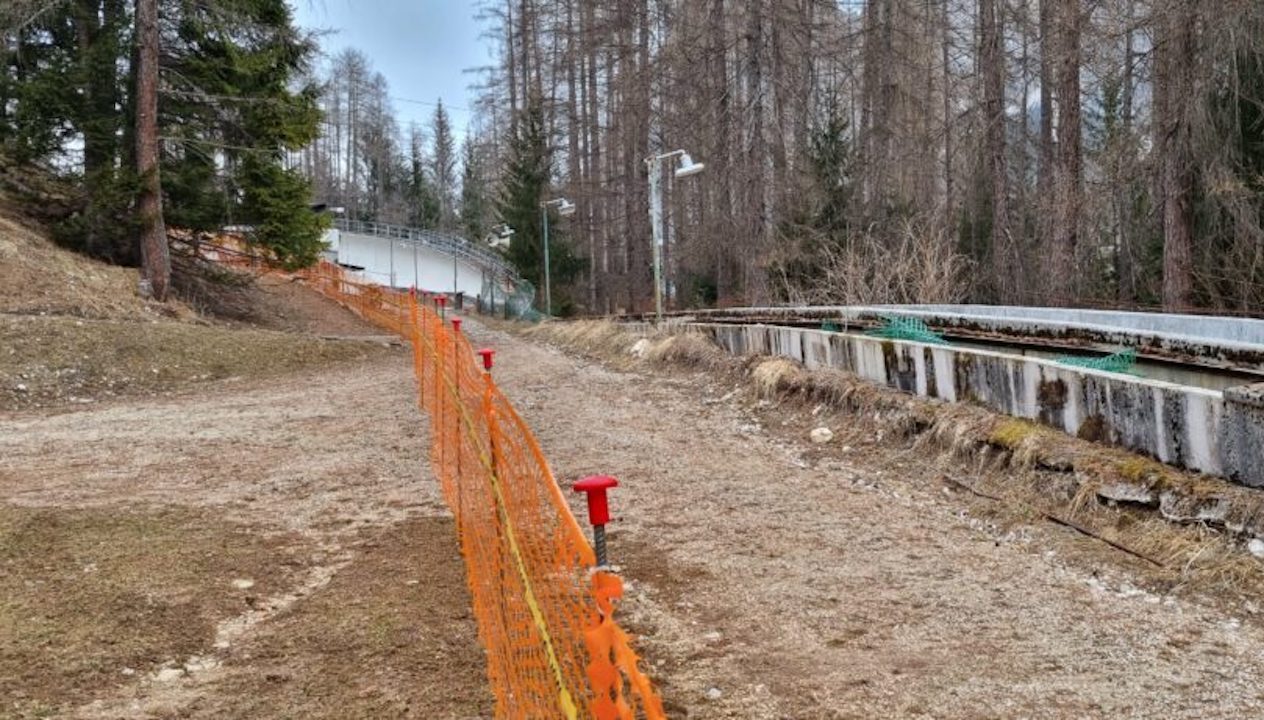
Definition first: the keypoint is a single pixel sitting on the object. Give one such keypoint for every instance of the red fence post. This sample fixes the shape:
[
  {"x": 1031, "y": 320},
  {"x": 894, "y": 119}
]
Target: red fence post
[{"x": 598, "y": 510}]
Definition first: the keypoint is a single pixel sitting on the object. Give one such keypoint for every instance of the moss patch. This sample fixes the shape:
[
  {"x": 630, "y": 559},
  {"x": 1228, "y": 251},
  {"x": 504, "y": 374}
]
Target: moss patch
[{"x": 1011, "y": 433}]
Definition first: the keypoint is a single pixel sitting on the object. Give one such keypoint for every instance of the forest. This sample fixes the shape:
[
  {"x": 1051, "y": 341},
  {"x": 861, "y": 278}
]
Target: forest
[
  {"x": 1105, "y": 153},
  {"x": 1047, "y": 152}
]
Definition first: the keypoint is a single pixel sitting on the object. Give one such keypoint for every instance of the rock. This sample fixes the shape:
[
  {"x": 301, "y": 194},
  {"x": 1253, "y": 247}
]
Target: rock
[
  {"x": 21, "y": 387},
  {"x": 1127, "y": 492},
  {"x": 641, "y": 348},
  {"x": 200, "y": 664},
  {"x": 1256, "y": 547},
  {"x": 243, "y": 583},
  {"x": 712, "y": 637},
  {"x": 128, "y": 672},
  {"x": 169, "y": 674},
  {"x": 822, "y": 435},
  {"x": 714, "y": 694}
]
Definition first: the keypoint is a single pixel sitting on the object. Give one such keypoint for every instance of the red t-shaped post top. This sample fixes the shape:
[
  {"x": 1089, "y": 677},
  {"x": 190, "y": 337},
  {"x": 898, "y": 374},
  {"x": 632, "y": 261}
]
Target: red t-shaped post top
[
  {"x": 456, "y": 325},
  {"x": 596, "y": 487},
  {"x": 442, "y": 300},
  {"x": 487, "y": 355}
]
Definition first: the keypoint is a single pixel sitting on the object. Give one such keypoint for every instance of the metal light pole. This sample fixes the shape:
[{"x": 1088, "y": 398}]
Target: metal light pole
[
  {"x": 564, "y": 208},
  {"x": 502, "y": 238},
  {"x": 687, "y": 167}
]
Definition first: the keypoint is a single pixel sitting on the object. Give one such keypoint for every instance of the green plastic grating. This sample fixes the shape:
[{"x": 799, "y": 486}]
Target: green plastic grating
[
  {"x": 906, "y": 328},
  {"x": 1123, "y": 361}
]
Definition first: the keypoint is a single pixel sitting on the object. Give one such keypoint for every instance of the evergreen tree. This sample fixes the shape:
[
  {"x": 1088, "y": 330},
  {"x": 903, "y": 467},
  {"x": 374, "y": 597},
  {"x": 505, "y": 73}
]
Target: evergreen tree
[
  {"x": 423, "y": 202},
  {"x": 473, "y": 194},
  {"x": 233, "y": 105},
  {"x": 443, "y": 167},
  {"x": 228, "y": 114},
  {"x": 526, "y": 181}
]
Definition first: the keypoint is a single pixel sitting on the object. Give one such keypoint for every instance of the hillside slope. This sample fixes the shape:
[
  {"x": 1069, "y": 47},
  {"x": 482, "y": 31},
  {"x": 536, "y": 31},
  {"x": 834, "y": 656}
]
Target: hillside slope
[
  {"x": 75, "y": 331},
  {"x": 37, "y": 276}
]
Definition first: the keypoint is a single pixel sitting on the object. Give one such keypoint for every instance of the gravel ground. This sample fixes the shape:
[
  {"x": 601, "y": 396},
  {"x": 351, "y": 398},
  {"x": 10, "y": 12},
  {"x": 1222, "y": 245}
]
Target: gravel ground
[{"x": 775, "y": 580}]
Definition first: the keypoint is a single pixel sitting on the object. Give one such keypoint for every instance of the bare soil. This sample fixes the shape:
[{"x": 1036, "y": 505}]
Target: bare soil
[{"x": 312, "y": 487}]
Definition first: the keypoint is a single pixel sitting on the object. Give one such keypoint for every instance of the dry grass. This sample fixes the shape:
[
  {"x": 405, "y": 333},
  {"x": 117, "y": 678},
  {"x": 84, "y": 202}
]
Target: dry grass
[
  {"x": 48, "y": 361},
  {"x": 625, "y": 348},
  {"x": 36, "y": 276},
  {"x": 688, "y": 349},
  {"x": 596, "y": 336}
]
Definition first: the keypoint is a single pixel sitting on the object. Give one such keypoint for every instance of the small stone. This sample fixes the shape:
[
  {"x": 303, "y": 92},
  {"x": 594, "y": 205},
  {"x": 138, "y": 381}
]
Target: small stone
[
  {"x": 641, "y": 348},
  {"x": 712, "y": 637},
  {"x": 714, "y": 694},
  {"x": 128, "y": 672},
  {"x": 1256, "y": 547},
  {"x": 413, "y": 582},
  {"x": 169, "y": 674},
  {"x": 21, "y": 387},
  {"x": 822, "y": 435},
  {"x": 243, "y": 583}
]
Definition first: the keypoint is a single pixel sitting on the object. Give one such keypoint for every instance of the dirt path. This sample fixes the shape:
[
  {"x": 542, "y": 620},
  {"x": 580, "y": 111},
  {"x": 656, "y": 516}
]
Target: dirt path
[
  {"x": 277, "y": 549},
  {"x": 773, "y": 580},
  {"x": 253, "y": 549}
]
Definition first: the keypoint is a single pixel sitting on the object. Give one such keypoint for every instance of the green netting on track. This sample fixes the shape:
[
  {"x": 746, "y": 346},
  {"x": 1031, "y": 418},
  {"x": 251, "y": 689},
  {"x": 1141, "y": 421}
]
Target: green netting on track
[
  {"x": 906, "y": 328},
  {"x": 1123, "y": 361},
  {"x": 831, "y": 326}
]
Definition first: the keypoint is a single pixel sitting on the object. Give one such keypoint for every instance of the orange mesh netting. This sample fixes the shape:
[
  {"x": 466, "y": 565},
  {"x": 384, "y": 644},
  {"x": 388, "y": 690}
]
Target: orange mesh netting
[{"x": 545, "y": 616}]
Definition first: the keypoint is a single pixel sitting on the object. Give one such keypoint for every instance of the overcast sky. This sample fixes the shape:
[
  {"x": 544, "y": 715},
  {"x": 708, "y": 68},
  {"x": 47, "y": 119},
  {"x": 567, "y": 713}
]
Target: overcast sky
[{"x": 422, "y": 47}]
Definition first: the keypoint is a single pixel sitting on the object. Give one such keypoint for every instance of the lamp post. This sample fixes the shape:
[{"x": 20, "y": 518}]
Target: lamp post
[
  {"x": 564, "y": 208},
  {"x": 655, "y": 162},
  {"x": 501, "y": 239}
]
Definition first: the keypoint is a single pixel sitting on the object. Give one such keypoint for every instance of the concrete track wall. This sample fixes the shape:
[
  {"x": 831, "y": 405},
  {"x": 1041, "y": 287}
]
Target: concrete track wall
[
  {"x": 392, "y": 261},
  {"x": 1176, "y": 424}
]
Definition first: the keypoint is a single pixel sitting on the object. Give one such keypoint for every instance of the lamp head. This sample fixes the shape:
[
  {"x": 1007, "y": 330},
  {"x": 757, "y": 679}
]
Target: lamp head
[
  {"x": 688, "y": 166},
  {"x": 566, "y": 208}
]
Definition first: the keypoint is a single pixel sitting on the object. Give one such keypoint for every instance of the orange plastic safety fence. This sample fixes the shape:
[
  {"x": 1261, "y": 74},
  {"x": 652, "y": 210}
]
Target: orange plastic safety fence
[{"x": 545, "y": 616}]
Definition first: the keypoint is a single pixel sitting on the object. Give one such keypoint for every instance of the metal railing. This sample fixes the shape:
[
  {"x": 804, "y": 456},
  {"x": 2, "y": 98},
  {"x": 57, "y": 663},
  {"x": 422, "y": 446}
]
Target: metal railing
[{"x": 446, "y": 243}]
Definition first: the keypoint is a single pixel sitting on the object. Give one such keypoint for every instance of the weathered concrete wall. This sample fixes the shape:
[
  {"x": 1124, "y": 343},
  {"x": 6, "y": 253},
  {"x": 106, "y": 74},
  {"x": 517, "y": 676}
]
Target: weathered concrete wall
[
  {"x": 1209, "y": 341},
  {"x": 1242, "y": 435},
  {"x": 1210, "y": 328},
  {"x": 1173, "y": 423}
]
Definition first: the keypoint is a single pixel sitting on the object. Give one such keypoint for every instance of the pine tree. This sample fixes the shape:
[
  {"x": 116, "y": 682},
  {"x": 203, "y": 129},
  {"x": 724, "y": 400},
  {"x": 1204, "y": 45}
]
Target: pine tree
[
  {"x": 473, "y": 194},
  {"x": 443, "y": 167},
  {"x": 69, "y": 78},
  {"x": 423, "y": 202},
  {"x": 526, "y": 181}
]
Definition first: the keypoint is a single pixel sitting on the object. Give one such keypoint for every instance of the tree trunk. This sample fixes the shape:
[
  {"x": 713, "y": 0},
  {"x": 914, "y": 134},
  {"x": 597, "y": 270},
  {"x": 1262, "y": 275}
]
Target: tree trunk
[
  {"x": 155, "y": 260},
  {"x": 1068, "y": 177},
  {"x": 1174, "y": 50},
  {"x": 1044, "y": 180},
  {"x": 992, "y": 58}
]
